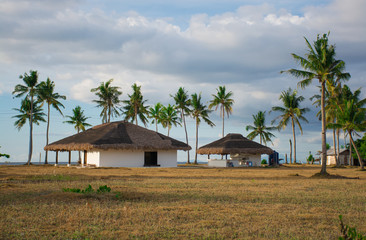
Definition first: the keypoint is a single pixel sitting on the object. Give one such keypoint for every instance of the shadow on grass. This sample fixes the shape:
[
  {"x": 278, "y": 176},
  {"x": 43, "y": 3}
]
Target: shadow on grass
[{"x": 331, "y": 176}]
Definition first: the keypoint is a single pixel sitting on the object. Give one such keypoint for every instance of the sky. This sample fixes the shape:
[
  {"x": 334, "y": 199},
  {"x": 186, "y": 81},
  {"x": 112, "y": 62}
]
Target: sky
[{"x": 163, "y": 45}]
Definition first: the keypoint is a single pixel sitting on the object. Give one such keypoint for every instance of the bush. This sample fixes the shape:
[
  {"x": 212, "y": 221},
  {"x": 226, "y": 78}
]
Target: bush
[
  {"x": 264, "y": 161},
  {"x": 89, "y": 189},
  {"x": 349, "y": 233}
]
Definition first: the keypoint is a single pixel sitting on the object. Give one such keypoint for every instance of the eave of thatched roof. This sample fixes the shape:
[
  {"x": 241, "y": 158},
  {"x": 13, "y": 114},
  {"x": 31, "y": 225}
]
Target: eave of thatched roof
[
  {"x": 117, "y": 135},
  {"x": 234, "y": 144}
]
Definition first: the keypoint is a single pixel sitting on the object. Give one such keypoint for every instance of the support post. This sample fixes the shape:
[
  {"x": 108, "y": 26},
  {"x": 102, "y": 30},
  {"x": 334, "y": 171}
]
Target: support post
[
  {"x": 85, "y": 157},
  {"x": 69, "y": 157},
  {"x": 56, "y": 157},
  {"x": 286, "y": 158}
]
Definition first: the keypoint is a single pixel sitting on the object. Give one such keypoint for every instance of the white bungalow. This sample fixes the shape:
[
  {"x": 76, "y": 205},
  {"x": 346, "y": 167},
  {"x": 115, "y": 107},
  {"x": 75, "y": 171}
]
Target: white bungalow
[
  {"x": 243, "y": 152},
  {"x": 343, "y": 157},
  {"x": 121, "y": 144}
]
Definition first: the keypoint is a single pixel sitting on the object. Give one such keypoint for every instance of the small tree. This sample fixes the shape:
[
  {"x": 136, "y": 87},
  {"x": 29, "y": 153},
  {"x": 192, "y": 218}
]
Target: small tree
[
  {"x": 169, "y": 117},
  {"x": 260, "y": 129},
  {"x": 199, "y": 112},
  {"x": 30, "y": 90},
  {"x": 78, "y": 119}
]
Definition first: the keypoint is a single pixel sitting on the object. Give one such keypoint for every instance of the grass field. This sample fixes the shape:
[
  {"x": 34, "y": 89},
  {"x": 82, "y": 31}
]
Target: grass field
[{"x": 181, "y": 203}]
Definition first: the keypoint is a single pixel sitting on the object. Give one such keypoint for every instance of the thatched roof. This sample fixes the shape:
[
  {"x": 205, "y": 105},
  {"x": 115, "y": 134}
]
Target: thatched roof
[
  {"x": 234, "y": 143},
  {"x": 117, "y": 135},
  {"x": 343, "y": 151}
]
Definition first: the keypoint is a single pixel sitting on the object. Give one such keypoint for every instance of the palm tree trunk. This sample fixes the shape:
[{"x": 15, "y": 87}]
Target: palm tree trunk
[
  {"x": 109, "y": 113},
  {"x": 30, "y": 133},
  {"x": 335, "y": 147},
  {"x": 324, "y": 137},
  {"x": 168, "y": 129},
  {"x": 338, "y": 144},
  {"x": 350, "y": 152},
  {"x": 223, "y": 121},
  {"x": 47, "y": 133},
  {"x": 156, "y": 125},
  {"x": 195, "y": 157},
  {"x": 260, "y": 139},
  {"x": 185, "y": 129},
  {"x": 290, "y": 151},
  {"x": 358, "y": 154},
  {"x": 79, "y": 161},
  {"x": 293, "y": 133}
]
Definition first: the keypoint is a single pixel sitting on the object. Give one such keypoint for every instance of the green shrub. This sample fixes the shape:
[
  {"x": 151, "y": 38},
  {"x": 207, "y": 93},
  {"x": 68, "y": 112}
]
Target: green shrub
[
  {"x": 264, "y": 161},
  {"x": 89, "y": 189},
  {"x": 103, "y": 189},
  {"x": 349, "y": 233}
]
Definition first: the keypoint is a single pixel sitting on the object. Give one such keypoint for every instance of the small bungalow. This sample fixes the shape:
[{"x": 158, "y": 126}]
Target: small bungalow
[
  {"x": 343, "y": 157},
  {"x": 243, "y": 152},
  {"x": 121, "y": 144}
]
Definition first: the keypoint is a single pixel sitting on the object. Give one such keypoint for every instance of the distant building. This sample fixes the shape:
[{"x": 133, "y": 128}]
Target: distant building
[
  {"x": 343, "y": 157},
  {"x": 243, "y": 152},
  {"x": 121, "y": 144}
]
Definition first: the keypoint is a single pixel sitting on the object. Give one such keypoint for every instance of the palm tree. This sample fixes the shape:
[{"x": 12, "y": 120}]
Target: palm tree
[
  {"x": 332, "y": 99},
  {"x": 169, "y": 117},
  {"x": 183, "y": 103},
  {"x": 108, "y": 100},
  {"x": 78, "y": 119},
  {"x": 47, "y": 94},
  {"x": 319, "y": 63},
  {"x": 290, "y": 111},
  {"x": 155, "y": 114},
  {"x": 28, "y": 111},
  {"x": 30, "y": 91},
  {"x": 199, "y": 112},
  {"x": 260, "y": 129},
  {"x": 222, "y": 100},
  {"x": 352, "y": 118},
  {"x": 134, "y": 107}
]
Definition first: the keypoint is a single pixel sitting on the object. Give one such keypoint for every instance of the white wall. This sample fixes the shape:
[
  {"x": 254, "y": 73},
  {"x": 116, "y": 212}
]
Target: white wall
[
  {"x": 119, "y": 158},
  {"x": 167, "y": 158},
  {"x": 235, "y": 161},
  {"x": 114, "y": 158},
  {"x": 92, "y": 158}
]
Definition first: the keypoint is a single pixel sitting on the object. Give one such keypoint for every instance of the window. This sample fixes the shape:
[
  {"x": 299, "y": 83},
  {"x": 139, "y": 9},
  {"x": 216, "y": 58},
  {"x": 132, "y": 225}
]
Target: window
[{"x": 151, "y": 159}]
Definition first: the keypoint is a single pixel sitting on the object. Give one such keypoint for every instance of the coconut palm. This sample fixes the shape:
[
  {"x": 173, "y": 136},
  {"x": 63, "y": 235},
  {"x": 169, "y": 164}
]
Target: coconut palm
[
  {"x": 134, "y": 106},
  {"x": 30, "y": 90},
  {"x": 332, "y": 99},
  {"x": 319, "y": 63},
  {"x": 169, "y": 116},
  {"x": 155, "y": 114},
  {"x": 351, "y": 116},
  {"x": 290, "y": 111},
  {"x": 199, "y": 112},
  {"x": 183, "y": 103},
  {"x": 47, "y": 94},
  {"x": 28, "y": 112},
  {"x": 78, "y": 119},
  {"x": 260, "y": 129},
  {"x": 108, "y": 100},
  {"x": 222, "y": 100}
]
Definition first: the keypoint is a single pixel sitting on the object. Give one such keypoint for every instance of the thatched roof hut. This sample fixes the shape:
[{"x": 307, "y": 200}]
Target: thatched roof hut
[
  {"x": 234, "y": 143},
  {"x": 119, "y": 135}
]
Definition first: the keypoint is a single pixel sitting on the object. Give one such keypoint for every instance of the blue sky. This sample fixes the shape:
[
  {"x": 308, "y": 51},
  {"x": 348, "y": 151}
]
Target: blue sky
[{"x": 163, "y": 45}]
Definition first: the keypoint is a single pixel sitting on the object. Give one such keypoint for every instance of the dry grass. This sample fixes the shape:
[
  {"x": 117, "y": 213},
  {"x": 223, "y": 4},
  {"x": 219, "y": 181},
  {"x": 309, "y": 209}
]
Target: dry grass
[{"x": 182, "y": 203}]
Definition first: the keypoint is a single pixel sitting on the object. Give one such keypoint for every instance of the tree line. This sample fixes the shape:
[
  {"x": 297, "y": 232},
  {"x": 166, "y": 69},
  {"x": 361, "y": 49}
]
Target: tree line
[{"x": 340, "y": 108}]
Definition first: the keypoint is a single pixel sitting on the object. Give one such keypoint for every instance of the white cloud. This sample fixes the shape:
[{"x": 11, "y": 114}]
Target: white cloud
[{"x": 81, "y": 91}]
